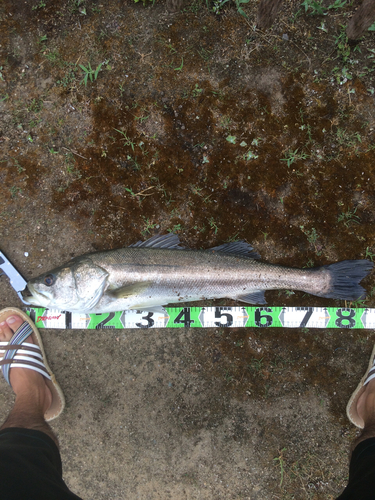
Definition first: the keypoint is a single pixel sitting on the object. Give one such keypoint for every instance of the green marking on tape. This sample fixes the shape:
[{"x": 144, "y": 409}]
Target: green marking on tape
[
  {"x": 184, "y": 317},
  {"x": 105, "y": 320},
  {"x": 343, "y": 317},
  {"x": 263, "y": 317}
]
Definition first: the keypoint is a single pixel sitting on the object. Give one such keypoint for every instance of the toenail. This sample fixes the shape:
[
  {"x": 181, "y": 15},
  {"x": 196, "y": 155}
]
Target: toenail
[
  {"x": 11, "y": 319},
  {"x": 2, "y": 323}
]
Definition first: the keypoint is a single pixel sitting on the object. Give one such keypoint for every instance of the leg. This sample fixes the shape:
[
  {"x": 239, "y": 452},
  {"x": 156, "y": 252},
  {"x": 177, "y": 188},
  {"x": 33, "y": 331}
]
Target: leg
[
  {"x": 361, "y": 408},
  {"x": 30, "y": 463},
  {"x": 33, "y": 397},
  {"x": 366, "y": 410}
]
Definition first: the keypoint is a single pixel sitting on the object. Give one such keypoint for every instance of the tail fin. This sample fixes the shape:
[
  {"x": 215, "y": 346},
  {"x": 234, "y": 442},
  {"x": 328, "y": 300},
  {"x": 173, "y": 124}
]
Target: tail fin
[{"x": 345, "y": 279}]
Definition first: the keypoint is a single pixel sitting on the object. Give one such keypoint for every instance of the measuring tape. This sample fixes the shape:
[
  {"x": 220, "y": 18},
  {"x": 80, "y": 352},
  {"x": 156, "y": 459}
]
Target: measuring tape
[{"x": 209, "y": 317}]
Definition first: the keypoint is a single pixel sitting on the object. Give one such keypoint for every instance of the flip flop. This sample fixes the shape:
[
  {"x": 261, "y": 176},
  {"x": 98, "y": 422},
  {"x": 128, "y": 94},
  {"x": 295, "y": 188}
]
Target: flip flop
[
  {"x": 31, "y": 356},
  {"x": 351, "y": 409}
]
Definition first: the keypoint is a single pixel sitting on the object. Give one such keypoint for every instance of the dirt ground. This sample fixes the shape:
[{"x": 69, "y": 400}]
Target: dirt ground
[{"x": 194, "y": 122}]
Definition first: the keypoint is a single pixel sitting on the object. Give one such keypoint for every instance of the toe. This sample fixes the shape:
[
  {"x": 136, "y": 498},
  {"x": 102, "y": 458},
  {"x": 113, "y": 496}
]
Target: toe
[{"x": 9, "y": 326}]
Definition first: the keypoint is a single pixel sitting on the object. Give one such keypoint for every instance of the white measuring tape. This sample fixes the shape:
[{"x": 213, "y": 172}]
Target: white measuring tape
[{"x": 209, "y": 317}]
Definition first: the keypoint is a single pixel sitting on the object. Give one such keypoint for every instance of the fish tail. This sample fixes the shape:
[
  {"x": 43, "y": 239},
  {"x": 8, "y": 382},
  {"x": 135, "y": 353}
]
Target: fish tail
[{"x": 345, "y": 279}]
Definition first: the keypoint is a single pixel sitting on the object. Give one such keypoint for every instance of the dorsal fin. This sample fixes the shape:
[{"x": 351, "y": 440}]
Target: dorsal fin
[
  {"x": 238, "y": 247},
  {"x": 169, "y": 240}
]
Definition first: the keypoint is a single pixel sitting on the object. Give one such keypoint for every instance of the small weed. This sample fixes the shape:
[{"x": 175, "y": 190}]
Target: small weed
[
  {"x": 239, "y": 8},
  {"x": 213, "y": 225},
  {"x": 148, "y": 225},
  {"x": 127, "y": 142},
  {"x": 225, "y": 122},
  {"x": 196, "y": 92},
  {"x": 53, "y": 57},
  {"x": 316, "y": 7},
  {"x": 133, "y": 162},
  {"x": 15, "y": 191},
  {"x": 205, "y": 54},
  {"x": 369, "y": 254},
  {"x": 228, "y": 378},
  {"x": 312, "y": 238},
  {"x": 232, "y": 139},
  {"x": 145, "y": 1},
  {"x": 89, "y": 72},
  {"x": 176, "y": 228},
  {"x": 281, "y": 462},
  {"x": 310, "y": 263},
  {"x": 35, "y": 106},
  {"x": 293, "y": 156},
  {"x": 69, "y": 78},
  {"x": 129, "y": 190},
  {"x": 342, "y": 44},
  {"x": 255, "y": 365},
  {"x": 219, "y": 4},
  {"x": 249, "y": 155},
  {"x": 347, "y": 139},
  {"x": 349, "y": 217},
  {"x": 181, "y": 65},
  {"x": 19, "y": 167},
  {"x": 40, "y": 5}
]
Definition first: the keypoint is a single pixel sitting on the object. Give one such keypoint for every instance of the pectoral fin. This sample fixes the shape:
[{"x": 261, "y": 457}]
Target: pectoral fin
[{"x": 127, "y": 291}]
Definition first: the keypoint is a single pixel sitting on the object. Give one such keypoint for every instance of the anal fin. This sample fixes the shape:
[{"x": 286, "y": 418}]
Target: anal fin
[{"x": 255, "y": 297}]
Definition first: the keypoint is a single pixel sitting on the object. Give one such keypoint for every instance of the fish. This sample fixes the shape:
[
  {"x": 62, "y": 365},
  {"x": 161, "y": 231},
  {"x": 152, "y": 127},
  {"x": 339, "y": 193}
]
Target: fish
[{"x": 151, "y": 274}]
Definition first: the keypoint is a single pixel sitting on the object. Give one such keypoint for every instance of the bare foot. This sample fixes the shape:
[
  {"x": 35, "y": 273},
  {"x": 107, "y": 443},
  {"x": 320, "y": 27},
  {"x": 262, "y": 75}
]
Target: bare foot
[
  {"x": 27, "y": 384},
  {"x": 366, "y": 404}
]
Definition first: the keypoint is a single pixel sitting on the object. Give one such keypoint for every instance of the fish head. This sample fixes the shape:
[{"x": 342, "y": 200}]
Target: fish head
[{"x": 76, "y": 286}]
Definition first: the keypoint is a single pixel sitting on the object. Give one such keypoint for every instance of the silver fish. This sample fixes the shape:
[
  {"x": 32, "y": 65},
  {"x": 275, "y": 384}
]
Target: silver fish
[{"x": 157, "y": 272}]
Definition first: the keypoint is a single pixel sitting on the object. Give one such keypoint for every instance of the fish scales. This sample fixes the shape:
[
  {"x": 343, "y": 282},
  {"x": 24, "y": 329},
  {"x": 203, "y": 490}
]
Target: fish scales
[{"x": 204, "y": 272}]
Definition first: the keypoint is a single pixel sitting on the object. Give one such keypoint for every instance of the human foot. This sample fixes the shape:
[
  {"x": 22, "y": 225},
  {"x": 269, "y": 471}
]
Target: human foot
[
  {"x": 366, "y": 404},
  {"x": 42, "y": 393},
  {"x": 361, "y": 406},
  {"x": 27, "y": 384}
]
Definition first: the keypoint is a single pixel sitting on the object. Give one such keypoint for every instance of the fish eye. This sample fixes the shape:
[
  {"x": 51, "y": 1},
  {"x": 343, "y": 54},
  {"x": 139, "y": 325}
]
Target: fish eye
[{"x": 49, "y": 280}]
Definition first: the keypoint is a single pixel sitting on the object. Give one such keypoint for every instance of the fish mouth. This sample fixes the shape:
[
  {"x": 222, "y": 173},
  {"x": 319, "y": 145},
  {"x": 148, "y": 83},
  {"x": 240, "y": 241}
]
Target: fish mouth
[{"x": 33, "y": 297}]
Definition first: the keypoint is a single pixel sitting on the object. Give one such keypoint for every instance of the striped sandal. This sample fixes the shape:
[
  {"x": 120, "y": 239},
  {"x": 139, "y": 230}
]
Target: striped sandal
[
  {"x": 351, "y": 409},
  {"x": 20, "y": 354}
]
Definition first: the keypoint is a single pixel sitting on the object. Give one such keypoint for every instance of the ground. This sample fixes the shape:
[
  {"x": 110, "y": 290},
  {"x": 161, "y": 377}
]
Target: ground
[{"x": 120, "y": 120}]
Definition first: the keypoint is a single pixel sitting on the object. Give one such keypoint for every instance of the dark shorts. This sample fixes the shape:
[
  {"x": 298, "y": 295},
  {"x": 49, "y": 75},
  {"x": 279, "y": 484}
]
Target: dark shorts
[
  {"x": 361, "y": 484},
  {"x": 30, "y": 467}
]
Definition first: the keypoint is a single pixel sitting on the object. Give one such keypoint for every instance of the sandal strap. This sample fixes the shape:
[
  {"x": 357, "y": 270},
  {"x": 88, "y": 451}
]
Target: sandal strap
[
  {"x": 26, "y": 359},
  {"x": 25, "y": 348},
  {"x": 26, "y": 363},
  {"x": 5, "y": 346},
  {"x": 370, "y": 375}
]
